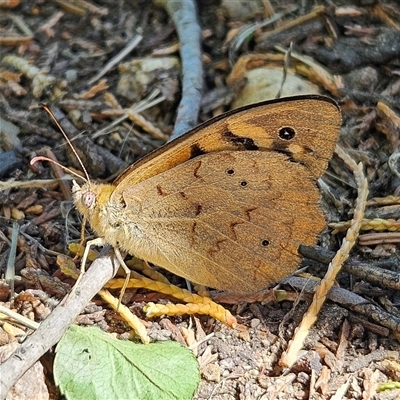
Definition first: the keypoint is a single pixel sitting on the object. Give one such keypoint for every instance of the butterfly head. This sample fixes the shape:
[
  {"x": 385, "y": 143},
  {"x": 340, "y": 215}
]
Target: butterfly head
[
  {"x": 91, "y": 199},
  {"x": 84, "y": 197}
]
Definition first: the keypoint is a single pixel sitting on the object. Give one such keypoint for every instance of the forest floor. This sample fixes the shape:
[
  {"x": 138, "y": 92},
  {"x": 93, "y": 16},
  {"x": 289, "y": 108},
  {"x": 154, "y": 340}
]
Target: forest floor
[{"x": 58, "y": 53}]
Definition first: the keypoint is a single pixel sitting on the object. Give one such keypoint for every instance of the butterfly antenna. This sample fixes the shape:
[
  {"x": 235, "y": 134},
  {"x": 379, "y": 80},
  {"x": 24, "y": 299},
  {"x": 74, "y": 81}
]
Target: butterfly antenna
[
  {"x": 47, "y": 109},
  {"x": 43, "y": 158}
]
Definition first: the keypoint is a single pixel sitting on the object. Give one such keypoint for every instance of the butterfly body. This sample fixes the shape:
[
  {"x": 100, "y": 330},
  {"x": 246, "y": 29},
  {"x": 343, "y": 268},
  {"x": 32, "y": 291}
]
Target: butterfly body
[{"x": 228, "y": 204}]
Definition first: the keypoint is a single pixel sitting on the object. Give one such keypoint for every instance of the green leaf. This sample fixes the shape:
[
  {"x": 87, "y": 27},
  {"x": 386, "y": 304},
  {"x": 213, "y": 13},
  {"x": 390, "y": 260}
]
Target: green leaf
[{"x": 91, "y": 364}]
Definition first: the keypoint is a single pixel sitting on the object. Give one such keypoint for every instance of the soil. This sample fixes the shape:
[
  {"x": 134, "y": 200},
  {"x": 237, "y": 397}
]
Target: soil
[{"x": 52, "y": 50}]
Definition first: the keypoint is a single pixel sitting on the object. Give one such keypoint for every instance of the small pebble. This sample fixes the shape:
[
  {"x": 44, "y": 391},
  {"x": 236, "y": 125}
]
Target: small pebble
[
  {"x": 255, "y": 322},
  {"x": 212, "y": 373},
  {"x": 71, "y": 75},
  {"x": 8, "y": 163}
]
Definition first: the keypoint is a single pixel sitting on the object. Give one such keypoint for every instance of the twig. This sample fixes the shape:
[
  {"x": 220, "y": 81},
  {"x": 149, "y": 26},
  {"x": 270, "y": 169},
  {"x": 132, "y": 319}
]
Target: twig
[
  {"x": 52, "y": 328},
  {"x": 10, "y": 269},
  {"x": 36, "y": 183},
  {"x": 127, "y": 49},
  {"x": 249, "y": 30},
  {"x": 154, "y": 98},
  {"x": 370, "y": 239},
  {"x": 20, "y": 319},
  {"x": 47, "y": 27},
  {"x": 20, "y": 23},
  {"x": 183, "y": 13},
  {"x": 315, "y": 13},
  {"x": 59, "y": 174},
  {"x": 351, "y": 301},
  {"x": 81, "y": 7},
  {"x": 376, "y": 273}
]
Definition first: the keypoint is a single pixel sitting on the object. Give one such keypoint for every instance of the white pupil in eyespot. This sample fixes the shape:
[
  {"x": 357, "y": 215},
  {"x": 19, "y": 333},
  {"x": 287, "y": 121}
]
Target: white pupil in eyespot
[{"x": 88, "y": 199}]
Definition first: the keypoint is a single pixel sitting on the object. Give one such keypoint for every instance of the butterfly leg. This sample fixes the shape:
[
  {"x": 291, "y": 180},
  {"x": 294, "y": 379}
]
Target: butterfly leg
[
  {"x": 101, "y": 242},
  {"x": 94, "y": 242},
  {"x": 127, "y": 272},
  {"x": 82, "y": 241}
]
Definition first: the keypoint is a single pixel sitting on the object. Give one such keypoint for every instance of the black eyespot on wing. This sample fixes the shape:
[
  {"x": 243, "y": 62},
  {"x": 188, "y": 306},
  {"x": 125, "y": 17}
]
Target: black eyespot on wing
[
  {"x": 230, "y": 171},
  {"x": 287, "y": 133},
  {"x": 243, "y": 183},
  {"x": 264, "y": 242}
]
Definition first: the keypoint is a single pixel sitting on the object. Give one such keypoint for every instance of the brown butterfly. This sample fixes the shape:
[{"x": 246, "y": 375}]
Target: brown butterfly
[{"x": 227, "y": 204}]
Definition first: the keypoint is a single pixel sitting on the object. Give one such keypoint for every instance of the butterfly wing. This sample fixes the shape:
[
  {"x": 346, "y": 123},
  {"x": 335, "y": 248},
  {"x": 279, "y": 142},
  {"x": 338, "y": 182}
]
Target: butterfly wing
[
  {"x": 231, "y": 220},
  {"x": 305, "y": 128}
]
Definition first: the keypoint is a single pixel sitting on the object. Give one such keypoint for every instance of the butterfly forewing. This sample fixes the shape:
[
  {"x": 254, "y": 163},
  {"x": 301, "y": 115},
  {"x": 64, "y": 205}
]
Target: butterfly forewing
[{"x": 314, "y": 122}]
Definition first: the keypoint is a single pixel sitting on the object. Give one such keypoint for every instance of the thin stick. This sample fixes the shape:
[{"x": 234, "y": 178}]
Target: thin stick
[
  {"x": 375, "y": 273},
  {"x": 10, "y": 269},
  {"x": 35, "y": 183},
  {"x": 122, "y": 54},
  {"x": 18, "y": 318},
  {"x": 54, "y": 326},
  {"x": 149, "y": 102},
  {"x": 184, "y": 15}
]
